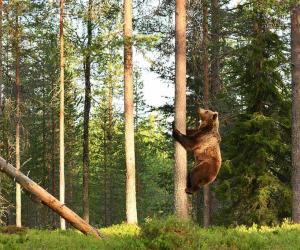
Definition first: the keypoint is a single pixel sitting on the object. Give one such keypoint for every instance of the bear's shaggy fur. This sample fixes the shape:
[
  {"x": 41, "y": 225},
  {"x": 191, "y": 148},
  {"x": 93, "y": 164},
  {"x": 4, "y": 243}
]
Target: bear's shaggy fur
[{"x": 204, "y": 143}]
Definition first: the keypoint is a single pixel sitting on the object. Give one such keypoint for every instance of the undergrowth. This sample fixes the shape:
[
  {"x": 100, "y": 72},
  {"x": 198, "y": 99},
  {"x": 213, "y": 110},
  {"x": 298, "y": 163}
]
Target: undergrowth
[{"x": 169, "y": 233}]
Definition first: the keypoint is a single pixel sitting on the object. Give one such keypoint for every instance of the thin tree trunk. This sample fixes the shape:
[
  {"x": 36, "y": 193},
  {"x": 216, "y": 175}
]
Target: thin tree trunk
[
  {"x": 1, "y": 60},
  {"x": 131, "y": 211},
  {"x": 1, "y": 80},
  {"x": 62, "y": 116},
  {"x": 47, "y": 199},
  {"x": 295, "y": 38},
  {"x": 206, "y": 189},
  {"x": 180, "y": 169},
  {"x": 53, "y": 146},
  {"x": 18, "y": 117},
  {"x": 105, "y": 174},
  {"x": 109, "y": 148},
  {"x": 215, "y": 39},
  {"x": 86, "y": 121}
]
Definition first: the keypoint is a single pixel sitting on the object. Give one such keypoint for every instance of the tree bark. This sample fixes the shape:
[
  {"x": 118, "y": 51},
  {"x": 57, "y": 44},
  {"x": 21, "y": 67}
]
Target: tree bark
[
  {"x": 206, "y": 189},
  {"x": 1, "y": 77},
  {"x": 18, "y": 116},
  {"x": 131, "y": 211},
  {"x": 110, "y": 148},
  {"x": 1, "y": 59},
  {"x": 53, "y": 146},
  {"x": 295, "y": 39},
  {"x": 86, "y": 121},
  {"x": 62, "y": 115},
  {"x": 47, "y": 199},
  {"x": 215, "y": 39},
  {"x": 180, "y": 168}
]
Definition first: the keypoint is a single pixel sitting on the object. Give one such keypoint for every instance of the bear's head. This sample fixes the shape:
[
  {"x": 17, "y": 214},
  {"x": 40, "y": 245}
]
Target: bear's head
[{"x": 208, "y": 118}]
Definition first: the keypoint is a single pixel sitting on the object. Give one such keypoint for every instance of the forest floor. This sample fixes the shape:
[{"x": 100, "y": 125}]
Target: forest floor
[{"x": 157, "y": 234}]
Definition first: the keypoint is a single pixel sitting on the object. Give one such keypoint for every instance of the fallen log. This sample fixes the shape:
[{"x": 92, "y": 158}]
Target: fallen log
[{"x": 47, "y": 199}]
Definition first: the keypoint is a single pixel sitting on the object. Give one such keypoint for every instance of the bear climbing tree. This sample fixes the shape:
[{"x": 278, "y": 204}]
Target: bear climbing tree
[{"x": 204, "y": 143}]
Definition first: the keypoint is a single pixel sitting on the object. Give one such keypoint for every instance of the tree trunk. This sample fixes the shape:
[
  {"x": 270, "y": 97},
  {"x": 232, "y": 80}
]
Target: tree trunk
[
  {"x": 295, "y": 38},
  {"x": 215, "y": 39},
  {"x": 1, "y": 78},
  {"x": 131, "y": 211},
  {"x": 110, "y": 148},
  {"x": 53, "y": 146},
  {"x": 18, "y": 117},
  {"x": 47, "y": 199},
  {"x": 62, "y": 115},
  {"x": 206, "y": 189},
  {"x": 180, "y": 168},
  {"x": 105, "y": 174},
  {"x": 1, "y": 59},
  {"x": 86, "y": 121}
]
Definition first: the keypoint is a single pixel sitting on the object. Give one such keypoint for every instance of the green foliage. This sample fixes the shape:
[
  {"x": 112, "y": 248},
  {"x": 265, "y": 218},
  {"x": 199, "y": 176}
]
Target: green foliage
[
  {"x": 169, "y": 233},
  {"x": 254, "y": 183}
]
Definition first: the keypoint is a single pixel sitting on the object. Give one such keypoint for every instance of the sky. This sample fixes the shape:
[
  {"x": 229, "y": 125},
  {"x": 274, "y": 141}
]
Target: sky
[{"x": 156, "y": 91}]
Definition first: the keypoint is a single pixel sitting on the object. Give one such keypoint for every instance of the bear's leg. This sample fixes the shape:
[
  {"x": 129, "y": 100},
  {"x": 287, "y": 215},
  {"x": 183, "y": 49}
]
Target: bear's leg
[
  {"x": 199, "y": 176},
  {"x": 189, "y": 187},
  {"x": 192, "y": 182},
  {"x": 187, "y": 142}
]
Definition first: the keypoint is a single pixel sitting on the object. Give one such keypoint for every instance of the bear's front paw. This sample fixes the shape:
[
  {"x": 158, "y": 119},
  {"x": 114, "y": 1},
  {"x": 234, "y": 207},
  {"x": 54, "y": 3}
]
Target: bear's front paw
[
  {"x": 173, "y": 125},
  {"x": 188, "y": 191},
  {"x": 175, "y": 132}
]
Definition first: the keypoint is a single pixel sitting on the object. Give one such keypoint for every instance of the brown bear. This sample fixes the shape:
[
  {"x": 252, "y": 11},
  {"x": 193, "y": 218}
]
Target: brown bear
[{"x": 204, "y": 143}]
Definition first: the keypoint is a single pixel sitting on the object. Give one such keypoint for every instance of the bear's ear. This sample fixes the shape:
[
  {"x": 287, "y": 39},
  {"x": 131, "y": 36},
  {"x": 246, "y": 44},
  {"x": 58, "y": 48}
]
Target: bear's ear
[{"x": 215, "y": 115}]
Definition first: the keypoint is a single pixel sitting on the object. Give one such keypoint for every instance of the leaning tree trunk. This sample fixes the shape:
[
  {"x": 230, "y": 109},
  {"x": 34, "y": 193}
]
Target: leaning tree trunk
[
  {"x": 295, "y": 38},
  {"x": 206, "y": 189},
  {"x": 87, "y": 107},
  {"x": 180, "y": 168},
  {"x": 62, "y": 115},
  {"x": 131, "y": 211},
  {"x": 40, "y": 194}
]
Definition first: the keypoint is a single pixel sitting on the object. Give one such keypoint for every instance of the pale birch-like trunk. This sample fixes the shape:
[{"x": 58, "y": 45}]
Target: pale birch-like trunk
[
  {"x": 18, "y": 117},
  {"x": 62, "y": 115},
  {"x": 131, "y": 211}
]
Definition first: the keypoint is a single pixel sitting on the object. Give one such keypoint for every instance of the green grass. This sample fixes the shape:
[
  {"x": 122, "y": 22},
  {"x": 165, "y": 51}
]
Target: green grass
[{"x": 159, "y": 234}]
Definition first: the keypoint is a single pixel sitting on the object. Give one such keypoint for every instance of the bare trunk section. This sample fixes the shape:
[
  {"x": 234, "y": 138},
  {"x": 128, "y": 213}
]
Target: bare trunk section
[
  {"x": 295, "y": 38},
  {"x": 1, "y": 78},
  {"x": 131, "y": 211},
  {"x": 62, "y": 115},
  {"x": 18, "y": 117},
  {"x": 1, "y": 59},
  {"x": 86, "y": 121},
  {"x": 206, "y": 189},
  {"x": 180, "y": 168},
  {"x": 105, "y": 158},
  {"x": 215, "y": 40},
  {"x": 53, "y": 146},
  {"x": 110, "y": 148},
  {"x": 47, "y": 199}
]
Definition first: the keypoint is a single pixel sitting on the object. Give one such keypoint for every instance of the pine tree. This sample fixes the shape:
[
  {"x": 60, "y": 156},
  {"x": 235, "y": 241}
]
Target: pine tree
[
  {"x": 295, "y": 36},
  {"x": 180, "y": 169},
  {"x": 131, "y": 211},
  {"x": 62, "y": 115}
]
